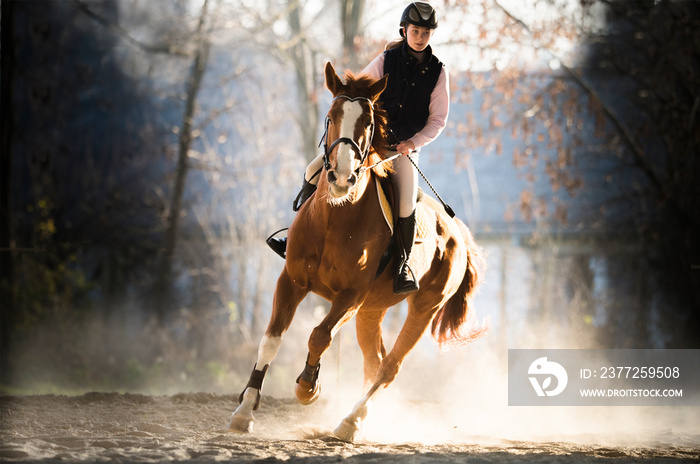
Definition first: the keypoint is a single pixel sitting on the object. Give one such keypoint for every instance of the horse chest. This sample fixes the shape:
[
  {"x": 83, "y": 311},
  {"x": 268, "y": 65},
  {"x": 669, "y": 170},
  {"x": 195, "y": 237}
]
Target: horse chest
[
  {"x": 352, "y": 260},
  {"x": 342, "y": 264}
]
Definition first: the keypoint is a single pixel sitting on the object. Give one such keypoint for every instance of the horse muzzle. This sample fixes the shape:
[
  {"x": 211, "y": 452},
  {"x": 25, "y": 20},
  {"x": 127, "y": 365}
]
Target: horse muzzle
[{"x": 340, "y": 185}]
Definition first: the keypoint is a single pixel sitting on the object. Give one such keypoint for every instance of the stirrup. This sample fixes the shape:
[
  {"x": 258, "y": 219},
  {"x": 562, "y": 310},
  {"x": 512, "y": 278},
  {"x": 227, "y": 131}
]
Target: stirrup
[{"x": 278, "y": 245}]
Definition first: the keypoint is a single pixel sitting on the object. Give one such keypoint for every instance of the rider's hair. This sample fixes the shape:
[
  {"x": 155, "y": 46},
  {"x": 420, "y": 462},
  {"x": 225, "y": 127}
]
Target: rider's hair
[{"x": 394, "y": 43}]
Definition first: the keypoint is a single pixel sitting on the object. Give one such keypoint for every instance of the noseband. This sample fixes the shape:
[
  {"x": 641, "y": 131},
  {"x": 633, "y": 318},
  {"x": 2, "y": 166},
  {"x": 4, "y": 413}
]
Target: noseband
[{"x": 327, "y": 149}]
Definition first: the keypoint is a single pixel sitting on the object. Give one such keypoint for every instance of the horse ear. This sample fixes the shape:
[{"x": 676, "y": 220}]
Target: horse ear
[
  {"x": 378, "y": 87},
  {"x": 333, "y": 82}
]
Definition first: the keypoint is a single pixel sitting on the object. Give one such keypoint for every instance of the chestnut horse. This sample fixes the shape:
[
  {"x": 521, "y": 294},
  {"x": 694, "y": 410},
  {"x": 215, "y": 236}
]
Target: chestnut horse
[{"x": 335, "y": 244}]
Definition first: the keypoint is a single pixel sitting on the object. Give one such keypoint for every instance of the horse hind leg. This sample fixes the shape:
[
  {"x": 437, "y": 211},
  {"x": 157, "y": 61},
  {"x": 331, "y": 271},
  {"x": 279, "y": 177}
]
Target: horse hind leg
[
  {"x": 412, "y": 330},
  {"x": 368, "y": 325}
]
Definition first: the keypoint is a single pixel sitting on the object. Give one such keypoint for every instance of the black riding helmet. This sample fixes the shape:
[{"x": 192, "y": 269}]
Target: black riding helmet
[{"x": 420, "y": 14}]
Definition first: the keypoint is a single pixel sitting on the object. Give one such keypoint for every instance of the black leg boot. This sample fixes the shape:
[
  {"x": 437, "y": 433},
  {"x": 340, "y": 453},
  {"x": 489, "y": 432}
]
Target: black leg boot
[
  {"x": 405, "y": 281},
  {"x": 279, "y": 245},
  {"x": 307, "y": 189}
]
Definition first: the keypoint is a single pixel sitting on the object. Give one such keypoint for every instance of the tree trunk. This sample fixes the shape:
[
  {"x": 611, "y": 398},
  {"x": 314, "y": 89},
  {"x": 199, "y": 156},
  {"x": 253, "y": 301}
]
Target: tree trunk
[
  {"x": 303, "y": 61},
  {"x": 351, "y": 12},
  {"x": 164, "y": 278}
]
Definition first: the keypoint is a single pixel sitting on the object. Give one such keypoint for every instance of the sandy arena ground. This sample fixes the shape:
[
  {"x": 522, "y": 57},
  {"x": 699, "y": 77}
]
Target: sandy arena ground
[{"x": 191, "y": 427}]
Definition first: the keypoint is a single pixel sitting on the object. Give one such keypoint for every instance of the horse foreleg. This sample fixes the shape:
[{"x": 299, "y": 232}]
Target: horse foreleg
[
  {"x": 368, "y": 325},
  {"x": 287, "y": 298},
  {"x": 412, "y": 330},
  {"x": 242, "y": 418},
  {"x": 342, "y": 310}
]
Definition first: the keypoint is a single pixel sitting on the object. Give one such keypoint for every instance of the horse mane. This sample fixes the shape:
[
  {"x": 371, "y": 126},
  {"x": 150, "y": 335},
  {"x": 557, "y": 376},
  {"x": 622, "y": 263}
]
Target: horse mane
[{"x": 359, "y": 86}]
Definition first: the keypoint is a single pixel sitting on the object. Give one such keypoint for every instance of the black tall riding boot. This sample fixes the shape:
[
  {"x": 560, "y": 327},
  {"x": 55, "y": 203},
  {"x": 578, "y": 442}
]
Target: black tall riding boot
[
  {"x": 279, "y": 245},
  {"x": 307, "y": 189},
  {"x": 405, "y": 281}
]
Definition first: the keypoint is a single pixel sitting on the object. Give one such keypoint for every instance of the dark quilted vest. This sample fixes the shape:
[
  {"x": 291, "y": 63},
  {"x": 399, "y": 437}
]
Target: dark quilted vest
[{"x": 407, "y": 95}]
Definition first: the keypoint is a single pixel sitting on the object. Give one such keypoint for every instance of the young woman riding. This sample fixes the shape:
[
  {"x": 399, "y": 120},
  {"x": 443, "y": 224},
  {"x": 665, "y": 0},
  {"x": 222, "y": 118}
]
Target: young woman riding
[{"x": 416, "y": 100}]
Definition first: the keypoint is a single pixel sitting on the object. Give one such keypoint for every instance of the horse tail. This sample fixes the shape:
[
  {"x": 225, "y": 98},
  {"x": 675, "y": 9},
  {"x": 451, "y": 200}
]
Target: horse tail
[{"x": 454, "y": 323}]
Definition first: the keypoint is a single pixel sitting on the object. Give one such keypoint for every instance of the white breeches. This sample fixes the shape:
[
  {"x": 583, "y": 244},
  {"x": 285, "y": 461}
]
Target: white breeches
[
  {"x": 312, "y": 168},
  {"x": 408, "y": 184}
]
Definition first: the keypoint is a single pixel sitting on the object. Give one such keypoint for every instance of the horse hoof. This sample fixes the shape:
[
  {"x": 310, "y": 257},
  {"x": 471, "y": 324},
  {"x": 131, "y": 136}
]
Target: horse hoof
[
  {"x": 347, "y": 431},
  {"x": 240, "y": 424},
  {"x": 306, "y": 394}
]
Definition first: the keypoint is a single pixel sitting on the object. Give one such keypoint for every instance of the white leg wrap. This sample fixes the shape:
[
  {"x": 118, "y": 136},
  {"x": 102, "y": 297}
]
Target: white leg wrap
[{"x": 267, "y": 350}]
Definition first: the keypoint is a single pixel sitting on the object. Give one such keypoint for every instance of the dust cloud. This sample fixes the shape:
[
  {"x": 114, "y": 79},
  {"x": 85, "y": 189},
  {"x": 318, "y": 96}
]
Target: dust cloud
[
  {"x": 461, "y": 396},
  {"x": 454, "y": 397},
  {"x": 444, "y": 407}
]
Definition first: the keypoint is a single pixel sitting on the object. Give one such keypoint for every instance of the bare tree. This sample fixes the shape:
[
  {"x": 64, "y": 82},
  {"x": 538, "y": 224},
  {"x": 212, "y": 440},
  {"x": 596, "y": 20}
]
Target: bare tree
[
  {"x": 304, "y": 63},
  {"x": 607, "y": 122},
  {"x": 194, "y": 83},
  {"x": 351, "y": 20}
]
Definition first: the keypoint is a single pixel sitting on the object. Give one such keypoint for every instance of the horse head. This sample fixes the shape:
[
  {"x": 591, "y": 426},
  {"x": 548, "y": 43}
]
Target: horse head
[{"x": 354, "y": 125}]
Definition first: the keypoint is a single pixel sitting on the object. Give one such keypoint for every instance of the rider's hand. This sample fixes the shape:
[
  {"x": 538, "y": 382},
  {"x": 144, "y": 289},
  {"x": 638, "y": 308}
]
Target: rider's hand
[{"x": 405, "y": 147}]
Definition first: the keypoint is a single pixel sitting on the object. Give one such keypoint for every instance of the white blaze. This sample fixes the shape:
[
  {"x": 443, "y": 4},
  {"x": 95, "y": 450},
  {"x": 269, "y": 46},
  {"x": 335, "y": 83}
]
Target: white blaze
[{"x": 352, "y": 110}]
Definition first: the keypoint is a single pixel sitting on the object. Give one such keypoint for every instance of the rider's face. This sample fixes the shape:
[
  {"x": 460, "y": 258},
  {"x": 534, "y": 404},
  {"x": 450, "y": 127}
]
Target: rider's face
[{"x": 418, "y": 37}]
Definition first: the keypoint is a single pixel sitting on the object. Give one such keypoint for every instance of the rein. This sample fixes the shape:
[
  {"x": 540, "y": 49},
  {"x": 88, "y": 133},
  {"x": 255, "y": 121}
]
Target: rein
[
  {"x": 379, "y": 163},
  {"x": 365, "y": 153}
]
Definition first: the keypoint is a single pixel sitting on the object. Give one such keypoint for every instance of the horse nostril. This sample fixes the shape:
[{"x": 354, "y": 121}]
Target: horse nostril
[
  {"x": 332, "y": 177},
  {"x": 352, "y": 179}
]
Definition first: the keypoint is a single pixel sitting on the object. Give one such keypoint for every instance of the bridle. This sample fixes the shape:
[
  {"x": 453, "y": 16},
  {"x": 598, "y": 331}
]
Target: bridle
[{"x": 327, "y": 149}]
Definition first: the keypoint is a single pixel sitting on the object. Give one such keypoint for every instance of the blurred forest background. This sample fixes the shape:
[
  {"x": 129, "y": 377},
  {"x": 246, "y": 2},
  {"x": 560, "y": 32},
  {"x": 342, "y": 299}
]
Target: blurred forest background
[{"x": 149, "y": 148}]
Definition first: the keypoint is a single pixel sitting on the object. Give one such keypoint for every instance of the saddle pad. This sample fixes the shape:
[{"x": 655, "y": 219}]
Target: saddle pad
[
  {"x": 385, "y": 206},
  {"x": 422, "y": 223},
  {"x": 423, "y": 229}
]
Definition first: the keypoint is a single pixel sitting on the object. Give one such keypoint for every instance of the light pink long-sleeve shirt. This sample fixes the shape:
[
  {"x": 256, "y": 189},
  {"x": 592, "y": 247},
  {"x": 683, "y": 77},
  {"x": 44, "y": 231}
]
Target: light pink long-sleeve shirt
[{"x": 438, "y": 109}]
